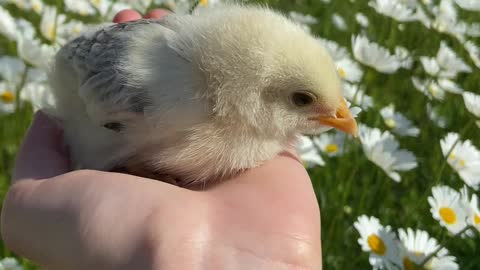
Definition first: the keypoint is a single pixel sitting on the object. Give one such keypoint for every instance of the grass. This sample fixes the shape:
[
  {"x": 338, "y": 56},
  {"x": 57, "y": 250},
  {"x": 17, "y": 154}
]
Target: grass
[{"x": 350, "y": 185}]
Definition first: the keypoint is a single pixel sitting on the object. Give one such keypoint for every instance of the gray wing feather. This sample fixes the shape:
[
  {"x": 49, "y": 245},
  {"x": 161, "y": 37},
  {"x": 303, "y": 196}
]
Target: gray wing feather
[{"x": 95, "y": 58}]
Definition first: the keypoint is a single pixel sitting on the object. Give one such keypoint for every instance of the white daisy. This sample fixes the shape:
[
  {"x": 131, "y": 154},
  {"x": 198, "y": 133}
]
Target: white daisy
[
  {"x": 473, "y": 51},
  {"x": 50, "y": 21},
  {"x": 404, "y": 56},
  {"x": 69, "y": 30},
  {"x": 464, "y": 158},
  {"x": 336, "y": 51},
  {"x": 11, "y": 69},
  {"x": 8, "y": 27},
  {"x": 382, "y": 149},
  {"x": 393, "y": 9},
  {"x": 472, "y": 103},
  {"x": 435, "y": 117},
  {"x": 302, "y": 18},
  {"x": 378, "y": 240},
  {"x": 446, "y": 64},
  {"x": 82, "y": 7},
  {"x": 35, "y": 53},
  {"x": 37, "y": 6},
  {"x": 339, "y": 22},
  {"x": 374, "y": 55},
  {"x": 10, "y": 263},
  {"x": 436, "y": 89},
  {"x": 330, "y": 143},
  {"x": 349, "y": 70},
  {"x": 356, "y": 95},
  {"x": 473, "y": 5},
  {"x": 417, "y": 245},
  {"x": 446, "y": 20},
  {"x": 446, "y": 207},
  {"x": 471, "y": 204},
  {"x": 397, "y": 122},
  {"x": 8, "y": 94},
  {"x": 362, "y": 20},
  {"x": 308, "y": 152}
]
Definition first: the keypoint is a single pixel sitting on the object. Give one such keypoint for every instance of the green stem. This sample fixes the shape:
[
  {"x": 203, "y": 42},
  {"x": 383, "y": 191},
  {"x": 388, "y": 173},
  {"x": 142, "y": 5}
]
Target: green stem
[{"x": 194, "y": 6}]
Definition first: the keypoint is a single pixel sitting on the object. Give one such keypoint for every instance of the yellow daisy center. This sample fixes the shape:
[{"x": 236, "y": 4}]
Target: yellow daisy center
[
  {"x": 476, "y": 219},
  {"x": 342, "y": 72},
  {"x": 408, "y": 264},
  {"x": 448, "y": 215},
  {"x": 331, "y": 148},
  {"x": 390, "y": 122},
  {"x": 376, "y": 245},
  {"x": 203, "y": 2},
  {"x": 7, "y": 96},
  {"x": 457, "y": 161}
]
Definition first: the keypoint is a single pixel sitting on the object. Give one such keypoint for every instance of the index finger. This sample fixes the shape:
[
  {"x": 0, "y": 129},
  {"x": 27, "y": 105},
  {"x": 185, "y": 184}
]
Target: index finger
[{"x": 42, "y": 154}]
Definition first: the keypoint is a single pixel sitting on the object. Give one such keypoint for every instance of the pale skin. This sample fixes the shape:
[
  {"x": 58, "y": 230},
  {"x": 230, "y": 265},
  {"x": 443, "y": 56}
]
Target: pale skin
[{"x": 265, "y": 218}]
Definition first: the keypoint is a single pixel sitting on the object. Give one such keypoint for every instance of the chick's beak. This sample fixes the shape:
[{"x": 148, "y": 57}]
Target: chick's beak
[{"x": 343, "y": 120}]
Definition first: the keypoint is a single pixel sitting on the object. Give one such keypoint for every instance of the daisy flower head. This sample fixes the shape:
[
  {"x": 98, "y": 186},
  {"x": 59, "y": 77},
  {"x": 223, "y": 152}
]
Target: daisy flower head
[
  {"x": 472, "y": 5},
  {"x": 349, "y": 70},
  {"x": 398, "y": 122},
  {"x": 308, "y": 152},
  {"x": 435, "y": 117},
  {"x": 373, "y": 55},
  {"x": 330, "y": 143},
  {"x": 339, "y": 22},
  {"x": 379, "y": 241},
  {"x": 430, "y": 88},
  {"x": 8, "y": 27},
  {"x": 336, "y": 51},
  {"x": 393, "y": 9},
  {"x": 34, "y": 52},
  {"x": 382, "y": 149},
  {"x": 446, "y": 207},
  {"x": 463, "y": 157},
  {"x": 446, "y": 63},
  {"x": 49, "y": 22},
  {"x": 473, "y": 51},
  {"x": 356, "y": 94},
  {"x": 82, "y": 7},
  {"x": 471, "y": 204},
  {"x": 10, "y": 263},
  {"x": 12, "y": 69},
  {"x": 472, "y": 103},
  {"x": 417, "y": 245},
  {"x": 362, "y": 20},
  {"x": 302, "y": 18},
  {"x": 8, "y": 95}
]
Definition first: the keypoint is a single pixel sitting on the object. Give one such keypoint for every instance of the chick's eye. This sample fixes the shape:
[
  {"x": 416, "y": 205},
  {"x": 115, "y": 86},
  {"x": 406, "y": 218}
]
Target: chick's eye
[
  {"x": 302, "y": 99},
  {"x": 115, "y": 126}
]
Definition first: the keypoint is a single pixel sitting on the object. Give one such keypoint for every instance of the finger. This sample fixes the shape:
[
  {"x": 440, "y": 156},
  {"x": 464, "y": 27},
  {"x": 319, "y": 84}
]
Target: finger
[
  {"x": 126, "y": 15},
  {"x": 42, "y": 154},
  {"x": 156, "y": 13}
]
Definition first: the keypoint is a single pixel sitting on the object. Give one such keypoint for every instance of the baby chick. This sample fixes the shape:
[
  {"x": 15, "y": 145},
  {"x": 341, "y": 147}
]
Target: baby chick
[{"x": 197, "y": 97}]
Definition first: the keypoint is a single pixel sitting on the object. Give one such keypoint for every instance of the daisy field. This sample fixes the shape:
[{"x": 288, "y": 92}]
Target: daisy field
[{"x": 404, "y": 194}]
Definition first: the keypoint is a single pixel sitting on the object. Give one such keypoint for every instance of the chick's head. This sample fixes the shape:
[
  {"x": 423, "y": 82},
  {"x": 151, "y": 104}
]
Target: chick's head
[{"x": 263, "y": 72}]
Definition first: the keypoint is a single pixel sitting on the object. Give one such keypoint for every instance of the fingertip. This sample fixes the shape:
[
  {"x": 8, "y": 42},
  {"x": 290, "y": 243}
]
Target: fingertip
[
  {"x": 42, "y": 154},
  {"x": 126, "y": 15},
  {"x": 156, "y": 13}
]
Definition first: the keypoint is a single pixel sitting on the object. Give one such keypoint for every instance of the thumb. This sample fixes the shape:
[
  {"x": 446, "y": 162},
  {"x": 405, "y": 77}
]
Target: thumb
[{"x": 42, "y": 154}]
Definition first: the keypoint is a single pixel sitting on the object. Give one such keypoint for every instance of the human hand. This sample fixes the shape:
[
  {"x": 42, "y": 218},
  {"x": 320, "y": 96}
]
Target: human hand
[{"x": 265, "y": 218}]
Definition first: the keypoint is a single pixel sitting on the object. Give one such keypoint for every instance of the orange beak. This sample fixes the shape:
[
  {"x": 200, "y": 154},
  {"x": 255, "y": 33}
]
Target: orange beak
[{"x": 343, "y": 120}]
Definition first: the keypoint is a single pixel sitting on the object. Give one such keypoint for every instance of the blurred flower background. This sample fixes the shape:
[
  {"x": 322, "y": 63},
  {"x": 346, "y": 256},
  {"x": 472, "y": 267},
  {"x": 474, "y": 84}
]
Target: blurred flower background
[{"x": 404, "y": 195}]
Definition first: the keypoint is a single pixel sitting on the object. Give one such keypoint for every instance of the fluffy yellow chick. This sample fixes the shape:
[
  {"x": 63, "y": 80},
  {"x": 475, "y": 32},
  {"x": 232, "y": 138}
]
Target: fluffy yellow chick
[{"x": 196, "y": 97}]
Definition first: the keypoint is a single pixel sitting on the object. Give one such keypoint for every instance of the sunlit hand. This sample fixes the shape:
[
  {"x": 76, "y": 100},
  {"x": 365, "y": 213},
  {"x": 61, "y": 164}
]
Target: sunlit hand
[{"x": 266, "y": 218}]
